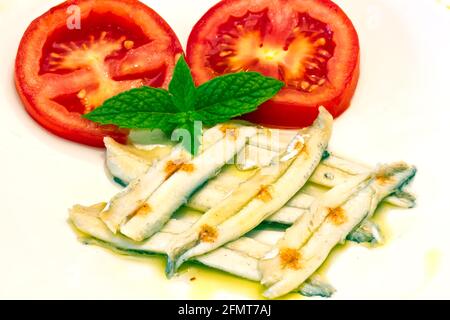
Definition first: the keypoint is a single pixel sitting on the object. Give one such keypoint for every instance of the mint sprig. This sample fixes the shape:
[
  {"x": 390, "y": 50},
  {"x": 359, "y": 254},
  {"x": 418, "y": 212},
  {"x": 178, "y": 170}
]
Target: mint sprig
[
  {"x": 215, "y": 101},
  {"x": 182, "y": 88}
]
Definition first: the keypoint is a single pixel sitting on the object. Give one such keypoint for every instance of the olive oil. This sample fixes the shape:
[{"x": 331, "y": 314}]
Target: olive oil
[{"x": 433, "y": 260}]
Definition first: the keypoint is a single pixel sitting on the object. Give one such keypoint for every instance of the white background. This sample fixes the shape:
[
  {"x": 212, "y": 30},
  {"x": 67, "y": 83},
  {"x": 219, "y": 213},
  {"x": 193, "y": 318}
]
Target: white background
[{"x": 401, "y": 111}]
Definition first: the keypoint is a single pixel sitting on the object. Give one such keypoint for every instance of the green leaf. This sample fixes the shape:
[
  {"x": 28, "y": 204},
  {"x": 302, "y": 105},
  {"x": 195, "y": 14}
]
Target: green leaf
[
  {"x": 233, "y": 95},
  {"x": 141, "y": 108},
  {"x": 182, "y": 87},
  {"x": 184, "y": 106}
]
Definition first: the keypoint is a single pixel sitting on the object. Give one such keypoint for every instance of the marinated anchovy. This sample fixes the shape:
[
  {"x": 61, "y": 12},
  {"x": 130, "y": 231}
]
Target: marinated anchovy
[
  {"x": 306, "y": 225},
  {"x": 367, "y": 232},
  {"x": 273, "y": 197},
  {"x": 332, "y": 171},
  {"x": 228, "y": 180},
  {"x": 127, "y": 162},
  {"x": 287, "y": 215},
  {"x": 273, "y": 140},
  {"x": 295, "y": 265},
  {"x": 402, "y": 199},
  {"x": 239, "y": 258},
  {"x": 315, "y": 287},
  {"x": 205, "y": 228},
  {"x": 218, "y": 188},
  {"x": 335, "y": 169},
  {"x": 153, "y": 213},
  {"x": 132, "y": 198},
  {"x": 125, "y": 203}
]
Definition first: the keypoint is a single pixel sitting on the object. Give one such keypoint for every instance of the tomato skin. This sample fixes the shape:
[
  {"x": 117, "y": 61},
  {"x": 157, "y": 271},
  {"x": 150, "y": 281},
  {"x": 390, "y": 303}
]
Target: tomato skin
[
  {"x": 290, "y": 108},
  {"x": 31, "y": 83},
  {"x": 88, "y": 132}
]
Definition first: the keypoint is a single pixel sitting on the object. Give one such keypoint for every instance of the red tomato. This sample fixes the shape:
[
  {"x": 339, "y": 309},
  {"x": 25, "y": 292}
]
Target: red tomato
[
  {"x": 311, "y": 45},
  {"x": 64, "y": 70}
]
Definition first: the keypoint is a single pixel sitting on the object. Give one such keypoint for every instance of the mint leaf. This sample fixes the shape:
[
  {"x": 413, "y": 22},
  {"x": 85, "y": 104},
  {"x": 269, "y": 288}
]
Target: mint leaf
[
  {"x": 141, "y": 108},
  {"x": 182, "y": 87},
  {"x": 233, "y": 95},
  {"x": 183, "y": 106}
]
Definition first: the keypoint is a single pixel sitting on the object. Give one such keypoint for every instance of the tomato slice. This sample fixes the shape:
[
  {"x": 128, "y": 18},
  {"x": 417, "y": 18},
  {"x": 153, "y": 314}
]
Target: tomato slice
[
  {"x": 64, "y": 69},
  {"x": 311, "y": 45}
]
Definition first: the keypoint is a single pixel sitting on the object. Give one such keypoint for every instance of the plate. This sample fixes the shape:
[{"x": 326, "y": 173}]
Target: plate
[{"x": 400, "y": 112}]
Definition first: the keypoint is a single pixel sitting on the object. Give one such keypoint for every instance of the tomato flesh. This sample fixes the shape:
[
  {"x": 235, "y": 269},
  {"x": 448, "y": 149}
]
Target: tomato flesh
[
  {"x": 63, "y": 73},
  {"x": 310, "y": 45},
  {"x": 300, "y": 60}
]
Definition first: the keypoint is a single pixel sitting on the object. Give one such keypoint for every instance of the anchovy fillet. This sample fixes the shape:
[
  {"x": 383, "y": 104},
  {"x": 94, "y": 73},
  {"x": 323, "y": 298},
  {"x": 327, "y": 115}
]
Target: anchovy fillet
[
  {"x": 276, "y": 195},
  {"x": 367, "y": 232},
  {"x": 233, "y": 203},
  {"x": 268, "y": 183},
  {"x": 331, "y": 172},
  {"x": 306, "y": 225},
  {"x": 129, "y": 162},
  {"x": 131, "y": 198},
  {"x": 230, "y": 178},
  {"x": 175, "y": 191},
  {"x": 296, "y": 262},
  {"x": 239, "y": 258}
]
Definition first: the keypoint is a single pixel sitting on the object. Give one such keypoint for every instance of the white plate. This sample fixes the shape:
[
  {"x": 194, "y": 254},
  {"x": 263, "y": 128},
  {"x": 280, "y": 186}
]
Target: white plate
[{"x": 401, "y": 111}]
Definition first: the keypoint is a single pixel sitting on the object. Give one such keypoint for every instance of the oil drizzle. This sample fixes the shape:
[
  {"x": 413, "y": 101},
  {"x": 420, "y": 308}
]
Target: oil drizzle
[{"x": 433, "y": 260}]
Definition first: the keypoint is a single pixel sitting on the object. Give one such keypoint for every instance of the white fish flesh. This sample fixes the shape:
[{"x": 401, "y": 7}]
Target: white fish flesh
[
  {"x": 305, "y": 226},
  {"x": 230, "y": 178},
  {"x": 153, "y": 213},
  {"x": 239, "y": 258},
  {"x": 274, "y": 196},
  {"x": 332, "y": 171},
  {"x": 204, "y": 228},
  {"x": 130, "y": 162},
  {"x": 295, "y": 264},
  {"x": 132, "y": 198}
]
